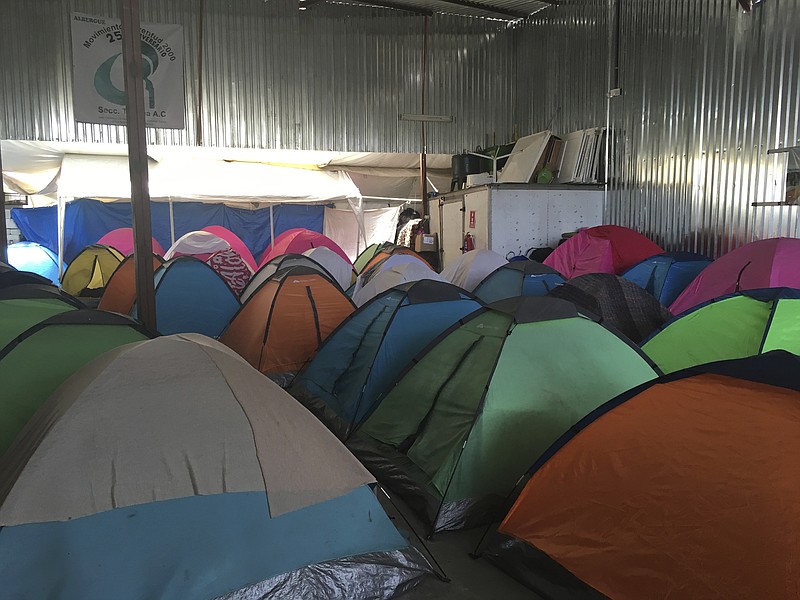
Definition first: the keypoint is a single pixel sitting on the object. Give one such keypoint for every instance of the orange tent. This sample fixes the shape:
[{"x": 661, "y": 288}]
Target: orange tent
[
  {"x": 286, "y": 319},
  {"x": 685, "y": 487},
  {"x": 120, "y": 293},
  {"x": 391, "y": 251}
]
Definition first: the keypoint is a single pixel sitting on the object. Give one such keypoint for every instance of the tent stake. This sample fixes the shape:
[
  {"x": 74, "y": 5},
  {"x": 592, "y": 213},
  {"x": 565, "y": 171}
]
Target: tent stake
[{"x": 137, "y": 160}]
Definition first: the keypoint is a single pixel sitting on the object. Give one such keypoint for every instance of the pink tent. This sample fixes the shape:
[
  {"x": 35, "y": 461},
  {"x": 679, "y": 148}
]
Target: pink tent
[
  {"x": 236, "y": 243},
  {"x": 122, "y": 240},
  {"x": 603, "y": 249},
  {"x": 763, "y": 264},
  {"x": 297, "y": 241}
]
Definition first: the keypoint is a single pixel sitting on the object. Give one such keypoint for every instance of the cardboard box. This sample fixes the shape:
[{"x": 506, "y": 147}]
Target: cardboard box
[{"x": 427, "y": 242}]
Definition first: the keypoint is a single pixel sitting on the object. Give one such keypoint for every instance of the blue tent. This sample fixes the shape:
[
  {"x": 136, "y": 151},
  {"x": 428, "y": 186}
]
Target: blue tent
[
  {"x": 33, "y": 257},
  {"x": 192, "y": 298},
  {"x": 518, "y": 278},
  {"x": 667, "y": 275},
  {"x": 370, "y": 349}
]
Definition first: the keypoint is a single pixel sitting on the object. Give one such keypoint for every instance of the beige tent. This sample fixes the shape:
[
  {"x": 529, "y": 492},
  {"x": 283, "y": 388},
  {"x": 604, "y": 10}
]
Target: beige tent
[{"x": 172, "y": 469}]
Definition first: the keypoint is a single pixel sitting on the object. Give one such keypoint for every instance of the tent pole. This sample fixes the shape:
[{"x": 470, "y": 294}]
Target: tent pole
[
  {"x": 423, "y": 157},
  {"x": 271, "y": 228},
  {"x": 3, "y": 230},
  {"x": 60, "y": 210},
  {"x": 171, "y": 224},
  {"x": 137, "y": 160}
]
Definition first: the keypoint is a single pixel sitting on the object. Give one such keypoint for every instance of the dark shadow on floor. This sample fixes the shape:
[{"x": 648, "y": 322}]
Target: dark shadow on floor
[{"x": 470, "y": 579}]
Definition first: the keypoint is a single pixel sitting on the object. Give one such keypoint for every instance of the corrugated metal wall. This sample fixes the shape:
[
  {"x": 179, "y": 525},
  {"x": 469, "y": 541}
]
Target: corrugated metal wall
[
  {"x": 706, "y": 91},
  {"x": 329, "y": 78},
  {"x": 562, "y": 69}
]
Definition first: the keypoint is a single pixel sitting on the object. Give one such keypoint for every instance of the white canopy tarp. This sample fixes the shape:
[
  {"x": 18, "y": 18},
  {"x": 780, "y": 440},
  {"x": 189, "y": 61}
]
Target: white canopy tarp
[{"x": 203, "y": 180}]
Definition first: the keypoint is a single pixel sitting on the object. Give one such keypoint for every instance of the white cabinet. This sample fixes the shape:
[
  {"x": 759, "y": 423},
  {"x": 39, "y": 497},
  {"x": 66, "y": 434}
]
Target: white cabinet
[{"x": 511, "y": 218}]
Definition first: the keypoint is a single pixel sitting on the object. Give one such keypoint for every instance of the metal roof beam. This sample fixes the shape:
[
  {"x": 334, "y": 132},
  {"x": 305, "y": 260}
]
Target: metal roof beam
[
  {"x": 487, "y": 8},
  {"x": 381, "y": 4}
]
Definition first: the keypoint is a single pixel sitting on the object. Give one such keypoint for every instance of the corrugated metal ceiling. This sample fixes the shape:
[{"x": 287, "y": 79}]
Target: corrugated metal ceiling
[{"x": 505, "y": 10}]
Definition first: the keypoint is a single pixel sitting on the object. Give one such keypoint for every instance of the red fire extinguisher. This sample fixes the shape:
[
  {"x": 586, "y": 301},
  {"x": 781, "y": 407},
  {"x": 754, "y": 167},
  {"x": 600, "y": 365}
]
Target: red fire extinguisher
[{"x": 469, "y": 243}]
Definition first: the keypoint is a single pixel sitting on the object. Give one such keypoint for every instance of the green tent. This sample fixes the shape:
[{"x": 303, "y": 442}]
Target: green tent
[
  {"x": 40, "y": 359},
  {"x": 366, "y": 256},
  {"x": 23, "y": 306},
  {"x": 735, "y": 326},
  {"x": 486, "y": 399}
]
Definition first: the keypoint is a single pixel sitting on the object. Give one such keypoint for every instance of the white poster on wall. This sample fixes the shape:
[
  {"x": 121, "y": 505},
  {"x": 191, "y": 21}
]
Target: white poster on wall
[{"x": 98, "y": 84}]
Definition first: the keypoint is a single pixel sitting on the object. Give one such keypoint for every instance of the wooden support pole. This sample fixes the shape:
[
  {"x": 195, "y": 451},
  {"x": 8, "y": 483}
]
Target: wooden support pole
[{"x": 137, "y": 159}]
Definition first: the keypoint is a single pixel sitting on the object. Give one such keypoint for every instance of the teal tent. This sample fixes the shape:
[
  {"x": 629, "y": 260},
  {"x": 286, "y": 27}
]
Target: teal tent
[
  {"x": 485, "y": 399},
  {"x": 367, "y": 352}
]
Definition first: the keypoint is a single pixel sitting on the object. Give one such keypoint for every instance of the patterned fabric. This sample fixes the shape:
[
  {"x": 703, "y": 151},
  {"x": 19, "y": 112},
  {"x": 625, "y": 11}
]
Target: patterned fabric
[
  {"x": 232, "y": 268},
  {"x": 406, "y": 235}
]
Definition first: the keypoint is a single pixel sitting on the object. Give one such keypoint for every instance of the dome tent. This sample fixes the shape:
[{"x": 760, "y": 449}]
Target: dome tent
[
  {"x": 89, "y": 272},
  {"x": 704, "y": 503},
  {"x": 386, "y": 250},
  {"x": 735, "y": 326},
  {"x": 235, "y": 242},
  {"x": 366, "y": 255},
  {"x": 763, "y": 264},
  {"x": 234, "y": 269},
  {"x": 40, "y": 359},
  {"x": 518, "y": 278},
  {"x": 23, "y": 306},
  {"x": 340, "y": 269},
  {"x": 666, "y": 275},
  {"x": 192, "y": 298},
  {"x": 475, "y": 408},
  {"x": 228, "y": 500},
  {"x": 284, "y": 261},
  {"x": 380, "y": 279},
  {"x": 122, "y": 240},
  {"x": 200, "y": 244},
  {"x": 297, "y": 241},
  {"x": 617, "y": 301},
  {"x": 35, "y": 258},
  {"x": 471, "y": 268},
  {"x": 13, "y": 278},
  {"x": 285, "y": 320},
  {"x": 120, "y": 292},
  {"x": 602, "y": 249},
  {"x": 367, "y": 352}
]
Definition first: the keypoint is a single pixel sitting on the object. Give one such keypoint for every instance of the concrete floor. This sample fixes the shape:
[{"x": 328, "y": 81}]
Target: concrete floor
[{"x": 470, "y": 578}]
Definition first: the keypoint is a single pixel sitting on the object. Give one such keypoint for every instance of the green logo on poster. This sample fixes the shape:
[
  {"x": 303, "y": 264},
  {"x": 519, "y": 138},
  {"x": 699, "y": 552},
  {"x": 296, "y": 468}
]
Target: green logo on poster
[{"x": 106, "y": 88}]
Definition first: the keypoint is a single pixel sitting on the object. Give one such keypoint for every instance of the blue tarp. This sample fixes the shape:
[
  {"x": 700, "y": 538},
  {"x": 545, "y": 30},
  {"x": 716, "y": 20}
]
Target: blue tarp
[{"x": 86, "y": 221}]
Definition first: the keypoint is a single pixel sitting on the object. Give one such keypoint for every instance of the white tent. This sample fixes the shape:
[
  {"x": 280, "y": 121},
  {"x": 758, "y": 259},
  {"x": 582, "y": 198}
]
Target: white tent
[
  {"x": 468, "y": 270},
  {"x": 394, "y": 276}
]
